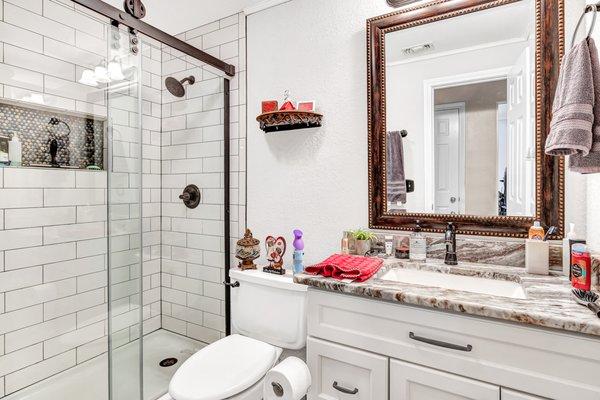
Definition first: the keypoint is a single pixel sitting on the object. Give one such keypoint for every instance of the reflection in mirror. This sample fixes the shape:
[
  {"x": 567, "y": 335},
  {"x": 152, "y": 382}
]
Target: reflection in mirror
[{"x": 460, "y": 114}]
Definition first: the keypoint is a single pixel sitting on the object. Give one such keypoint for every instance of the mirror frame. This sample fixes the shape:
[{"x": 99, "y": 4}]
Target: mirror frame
[{"x": 549, "y": 170}]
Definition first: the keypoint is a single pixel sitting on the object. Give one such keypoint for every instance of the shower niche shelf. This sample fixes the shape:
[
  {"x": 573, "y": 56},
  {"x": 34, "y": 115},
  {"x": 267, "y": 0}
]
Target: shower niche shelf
[{"x": 279, "y": 121}]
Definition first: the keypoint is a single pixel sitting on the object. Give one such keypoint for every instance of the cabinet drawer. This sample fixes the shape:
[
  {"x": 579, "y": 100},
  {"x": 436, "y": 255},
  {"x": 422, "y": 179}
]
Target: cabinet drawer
[
  {"x": 413, "y": 382},
  {"x": 344, "y": 373},
  {"x": 549, "y": 364}
]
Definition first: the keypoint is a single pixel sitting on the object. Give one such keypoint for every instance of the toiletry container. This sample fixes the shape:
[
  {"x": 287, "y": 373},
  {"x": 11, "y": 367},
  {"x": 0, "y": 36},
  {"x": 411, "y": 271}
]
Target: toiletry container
[
  {"x": 4, "y": 149},
  {"x": 566, "y": 249},
  {"x": 389, "y": 245},
  {"x": 14, "y": 151},
  {"x": 581, "y": 267},
  {"x": 536, "y": 232},
  {"x": 345, "y": 247},
  {"x": 418, "y": 244},
  {"x": 537, "y": 257},
  {"x": 401, "y": 244}
]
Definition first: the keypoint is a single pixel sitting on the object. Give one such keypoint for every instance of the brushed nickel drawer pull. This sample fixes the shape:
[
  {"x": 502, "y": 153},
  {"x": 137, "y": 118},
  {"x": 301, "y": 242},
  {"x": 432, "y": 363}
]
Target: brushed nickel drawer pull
[
  {"x": 438, "y": 343},
  {"x": 343, "y": 389}
]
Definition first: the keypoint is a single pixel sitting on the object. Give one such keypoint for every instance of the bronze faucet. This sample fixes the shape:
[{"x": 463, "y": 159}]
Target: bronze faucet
[{"x": 450, "y": 239}]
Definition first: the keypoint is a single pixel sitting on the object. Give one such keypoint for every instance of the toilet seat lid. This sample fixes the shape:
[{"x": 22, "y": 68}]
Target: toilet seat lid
[{"x": 223, "y": 369}]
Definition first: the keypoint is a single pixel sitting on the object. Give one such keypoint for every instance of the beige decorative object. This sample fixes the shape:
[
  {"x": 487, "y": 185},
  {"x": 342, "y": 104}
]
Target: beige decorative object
[
  {"x": 537, "y": 257},
  {"x": 247, "y": 250},
  {"x": 289, "y": 120}
]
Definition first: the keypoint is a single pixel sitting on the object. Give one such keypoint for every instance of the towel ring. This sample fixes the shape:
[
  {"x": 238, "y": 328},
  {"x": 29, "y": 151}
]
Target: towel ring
[{"x": 594, "y": 8}]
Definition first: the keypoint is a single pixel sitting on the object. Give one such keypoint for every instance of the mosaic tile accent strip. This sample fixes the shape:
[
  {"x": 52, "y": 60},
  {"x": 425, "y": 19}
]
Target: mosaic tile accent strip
[{"x": 80, "y": 140}]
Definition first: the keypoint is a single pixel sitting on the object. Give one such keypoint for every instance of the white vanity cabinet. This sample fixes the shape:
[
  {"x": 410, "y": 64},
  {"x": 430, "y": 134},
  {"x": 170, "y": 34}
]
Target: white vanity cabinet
[{"x": 436, "y": 355}]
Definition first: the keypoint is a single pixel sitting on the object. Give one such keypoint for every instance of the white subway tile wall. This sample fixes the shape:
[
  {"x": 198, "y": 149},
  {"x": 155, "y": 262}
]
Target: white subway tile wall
[
  {"x": 192, "y": 153},
  {"x": 48, "y": 289}
]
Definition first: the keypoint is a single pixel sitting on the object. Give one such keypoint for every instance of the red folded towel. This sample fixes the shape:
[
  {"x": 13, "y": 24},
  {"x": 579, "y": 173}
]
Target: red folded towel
[{"x": 343, "y": 266}]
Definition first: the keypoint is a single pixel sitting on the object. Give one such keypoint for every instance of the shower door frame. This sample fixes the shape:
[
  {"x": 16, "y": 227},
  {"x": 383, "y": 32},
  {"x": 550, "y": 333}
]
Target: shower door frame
[
  {"x": 118, "y": 17},
  {"x": 122, "y": 17}
]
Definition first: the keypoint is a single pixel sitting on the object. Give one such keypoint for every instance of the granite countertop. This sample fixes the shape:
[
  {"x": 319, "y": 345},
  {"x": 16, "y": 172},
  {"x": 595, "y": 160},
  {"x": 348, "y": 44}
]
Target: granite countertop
[{"x": 548, "y": 300}]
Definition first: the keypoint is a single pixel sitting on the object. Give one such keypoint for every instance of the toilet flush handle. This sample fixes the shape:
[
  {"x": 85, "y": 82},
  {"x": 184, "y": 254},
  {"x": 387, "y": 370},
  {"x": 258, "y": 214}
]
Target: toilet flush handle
[{"x": 232, "y": 284}]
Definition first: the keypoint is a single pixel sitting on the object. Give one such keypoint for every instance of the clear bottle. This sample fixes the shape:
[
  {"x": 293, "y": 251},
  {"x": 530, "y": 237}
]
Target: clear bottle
[
  {"x": 345, "y": 248},
  {"x": 15, "y": 151},
  {"x": 418, "y": 244}
]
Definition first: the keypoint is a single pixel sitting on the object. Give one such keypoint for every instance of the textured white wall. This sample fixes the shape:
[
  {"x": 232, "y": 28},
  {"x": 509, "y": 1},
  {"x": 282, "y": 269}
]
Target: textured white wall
[{"x": 316, "y": 180}]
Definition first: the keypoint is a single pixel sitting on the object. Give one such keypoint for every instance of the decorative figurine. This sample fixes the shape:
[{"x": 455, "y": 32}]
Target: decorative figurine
[
  {"x": 306, "y": 106},
  {"x": 269, "y": 106},
  {"x": 247, "y": 250},
  {"x": 275, "y": 250},
  {"x": 288, "y": 105},
  {"x": 298, "y": 252}
]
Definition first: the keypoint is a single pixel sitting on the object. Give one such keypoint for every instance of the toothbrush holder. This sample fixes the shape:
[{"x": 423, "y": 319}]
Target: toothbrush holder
[{"x": 537, "y": 257}]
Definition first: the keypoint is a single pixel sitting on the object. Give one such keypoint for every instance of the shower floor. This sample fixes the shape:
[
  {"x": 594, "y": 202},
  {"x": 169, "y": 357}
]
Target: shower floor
[{"x": 91, "y": 377}]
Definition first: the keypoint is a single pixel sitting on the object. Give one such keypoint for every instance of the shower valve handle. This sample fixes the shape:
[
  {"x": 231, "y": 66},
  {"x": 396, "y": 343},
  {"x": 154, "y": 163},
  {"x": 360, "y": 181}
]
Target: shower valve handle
[
  {"x": 185, "y": 197},
  {"x": 191, "y": 196}
]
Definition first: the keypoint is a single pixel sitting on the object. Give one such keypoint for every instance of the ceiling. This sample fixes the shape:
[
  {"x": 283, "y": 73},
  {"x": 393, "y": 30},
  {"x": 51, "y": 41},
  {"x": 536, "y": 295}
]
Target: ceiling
[
  {"x": 498, "y": 24},
  {"x": 176, "y": 16}
]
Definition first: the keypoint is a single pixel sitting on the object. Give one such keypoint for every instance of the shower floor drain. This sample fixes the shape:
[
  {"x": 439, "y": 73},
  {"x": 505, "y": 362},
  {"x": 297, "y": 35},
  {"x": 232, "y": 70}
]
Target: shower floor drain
[{"x": 168, "y": 362}]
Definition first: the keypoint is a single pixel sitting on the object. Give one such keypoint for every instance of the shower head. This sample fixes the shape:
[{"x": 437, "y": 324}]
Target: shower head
[{"x": 176, "y": 88}]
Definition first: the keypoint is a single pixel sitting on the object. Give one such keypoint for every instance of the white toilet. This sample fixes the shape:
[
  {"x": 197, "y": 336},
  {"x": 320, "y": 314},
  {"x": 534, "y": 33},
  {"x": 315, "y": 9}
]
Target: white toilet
[{"x": 268, "y": 315}]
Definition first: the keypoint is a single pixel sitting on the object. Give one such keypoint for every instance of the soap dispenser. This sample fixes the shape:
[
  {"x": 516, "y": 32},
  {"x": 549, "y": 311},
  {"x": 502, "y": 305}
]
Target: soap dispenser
[{"x": 418, "y": 244}]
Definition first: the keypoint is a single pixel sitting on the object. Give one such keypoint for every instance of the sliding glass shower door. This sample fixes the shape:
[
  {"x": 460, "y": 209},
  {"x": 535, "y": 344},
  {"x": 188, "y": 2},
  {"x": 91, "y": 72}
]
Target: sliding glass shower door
[{"x": 125, "y": 241}]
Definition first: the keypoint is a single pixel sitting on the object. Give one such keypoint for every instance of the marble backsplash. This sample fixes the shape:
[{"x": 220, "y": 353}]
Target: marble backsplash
[{"x": 485, "y": 251}]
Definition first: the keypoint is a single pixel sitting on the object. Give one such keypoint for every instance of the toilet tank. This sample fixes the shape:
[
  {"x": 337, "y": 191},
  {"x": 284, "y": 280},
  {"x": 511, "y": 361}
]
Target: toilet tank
[{"x": 268, "y": 307}]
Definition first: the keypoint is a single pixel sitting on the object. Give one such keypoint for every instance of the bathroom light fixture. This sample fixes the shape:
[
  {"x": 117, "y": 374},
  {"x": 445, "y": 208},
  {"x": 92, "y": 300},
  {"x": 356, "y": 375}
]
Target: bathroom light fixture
[
  {"x": 101, "y": 74},
  {"x": 419, "y": 48},
  {"x": 115, "y": 70},
  {"x": 88, "y": 78}
]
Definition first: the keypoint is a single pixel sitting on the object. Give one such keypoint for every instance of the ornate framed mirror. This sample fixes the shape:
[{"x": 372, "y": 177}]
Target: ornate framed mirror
[{"x": 459, "y": 102}]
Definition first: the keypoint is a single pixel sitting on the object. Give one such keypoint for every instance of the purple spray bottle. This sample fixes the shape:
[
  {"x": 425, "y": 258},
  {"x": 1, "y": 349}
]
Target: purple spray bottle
[{"x": 298, "y": 252}]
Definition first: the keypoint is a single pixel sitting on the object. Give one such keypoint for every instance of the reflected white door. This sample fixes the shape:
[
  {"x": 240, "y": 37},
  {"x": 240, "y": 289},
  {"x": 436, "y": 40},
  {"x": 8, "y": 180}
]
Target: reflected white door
[
  {"x": 520, "y": 151},
  {"x": 447, "y": 160}
]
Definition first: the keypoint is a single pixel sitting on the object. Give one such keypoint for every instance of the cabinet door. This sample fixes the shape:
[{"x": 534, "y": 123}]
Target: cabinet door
[
  {"x": 413, "y": 382},
  {"x": 345, "y": 373},
  {"x": 508, "y": 394}
]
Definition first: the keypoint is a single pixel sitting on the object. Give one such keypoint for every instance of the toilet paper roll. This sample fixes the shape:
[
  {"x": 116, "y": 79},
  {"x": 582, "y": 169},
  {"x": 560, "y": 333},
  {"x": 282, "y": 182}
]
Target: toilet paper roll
[{"x": 288, "y": 380}]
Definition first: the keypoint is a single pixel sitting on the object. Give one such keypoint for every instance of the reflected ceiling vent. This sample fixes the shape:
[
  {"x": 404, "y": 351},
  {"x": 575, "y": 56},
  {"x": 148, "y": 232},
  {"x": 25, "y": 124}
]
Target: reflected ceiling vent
[
  {"x": 417, "y": 49},
  {"x": 400, "y": 3}
]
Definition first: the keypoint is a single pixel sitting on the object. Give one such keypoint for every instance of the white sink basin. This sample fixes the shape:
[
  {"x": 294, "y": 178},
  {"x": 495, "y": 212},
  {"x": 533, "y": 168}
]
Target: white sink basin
[{"x": 471, "y": 284}]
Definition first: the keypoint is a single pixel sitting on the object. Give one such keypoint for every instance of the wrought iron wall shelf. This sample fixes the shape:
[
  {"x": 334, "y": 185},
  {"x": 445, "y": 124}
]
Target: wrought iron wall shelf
[{"x": 278, "y": 121}]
